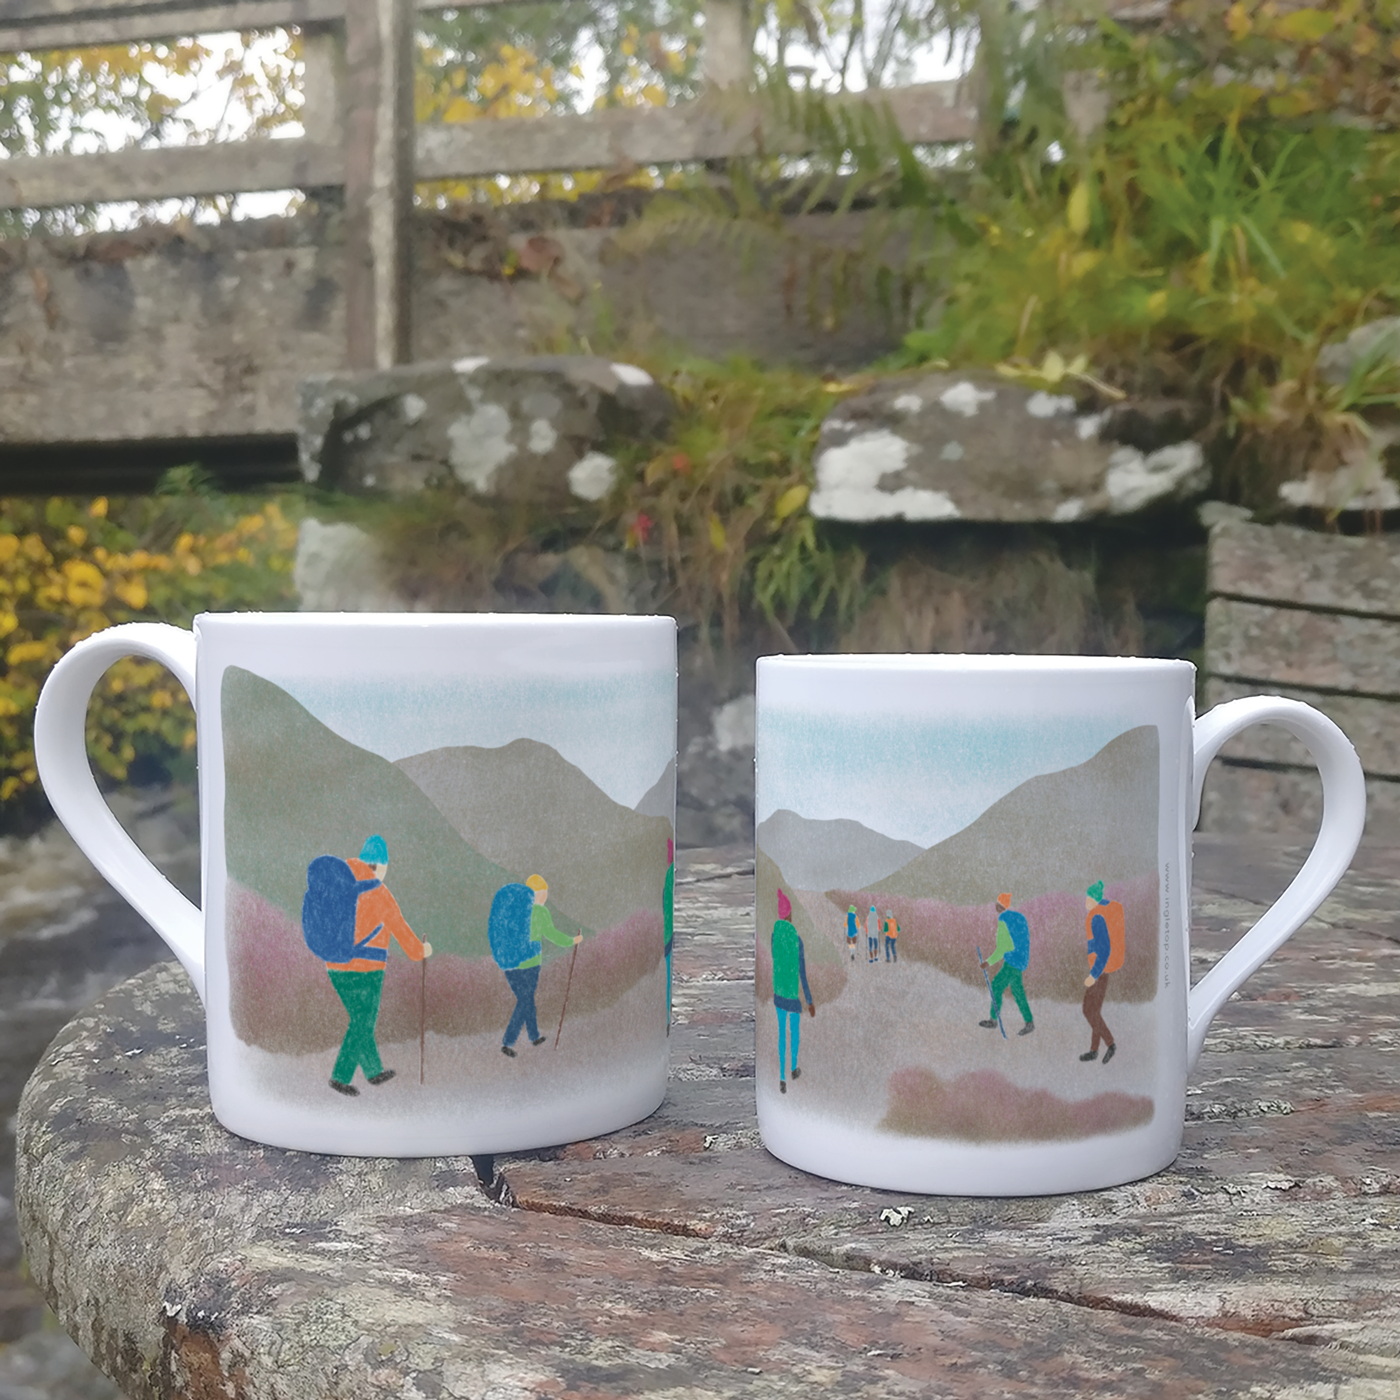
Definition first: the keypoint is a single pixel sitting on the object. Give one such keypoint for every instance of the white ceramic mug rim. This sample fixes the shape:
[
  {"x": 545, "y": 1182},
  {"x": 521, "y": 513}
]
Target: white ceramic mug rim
[
  {"x": 293, "y": 620},
  {"x": 964, "y": 662}
]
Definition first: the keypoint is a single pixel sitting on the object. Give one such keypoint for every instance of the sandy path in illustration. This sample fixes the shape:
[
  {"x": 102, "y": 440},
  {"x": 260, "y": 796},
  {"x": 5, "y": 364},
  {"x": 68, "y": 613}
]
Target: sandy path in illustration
[
  {"x": 466, "y": 1075},
  {"x": 849, "y": 1050}
]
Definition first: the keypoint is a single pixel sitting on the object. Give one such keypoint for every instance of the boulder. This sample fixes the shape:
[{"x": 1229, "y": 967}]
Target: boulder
[
  {"x": 340, "y": 568},
  {"x": 939, "y": 446},
  {"x": 527, "y": 429},
  {"x": 1336, "y": 361}
]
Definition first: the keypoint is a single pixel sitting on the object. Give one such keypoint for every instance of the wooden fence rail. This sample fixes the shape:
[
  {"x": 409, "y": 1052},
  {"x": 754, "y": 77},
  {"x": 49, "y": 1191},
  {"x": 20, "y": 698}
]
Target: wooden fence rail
[{"x": 360, "y": 134}]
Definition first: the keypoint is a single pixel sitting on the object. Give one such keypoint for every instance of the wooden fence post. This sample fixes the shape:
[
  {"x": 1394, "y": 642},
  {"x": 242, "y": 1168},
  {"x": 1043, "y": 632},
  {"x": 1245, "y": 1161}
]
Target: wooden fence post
[
  {"x": 378, "y": 135},
  {"x": 727, "y": 60},
  {"x": 323, "y": 70}
]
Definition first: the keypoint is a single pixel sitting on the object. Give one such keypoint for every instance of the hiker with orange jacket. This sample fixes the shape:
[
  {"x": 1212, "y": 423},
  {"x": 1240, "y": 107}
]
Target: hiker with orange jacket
[
  {"x": 359, "y": 981},
  {"x": 1104, "y": 926}
]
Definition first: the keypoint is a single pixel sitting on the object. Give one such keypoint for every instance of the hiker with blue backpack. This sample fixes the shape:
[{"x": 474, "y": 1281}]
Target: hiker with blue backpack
[
  {"x": 348, "y": 918},
  {"x": 517, "y": 924},
  {"x": 1013, "y": 951}
]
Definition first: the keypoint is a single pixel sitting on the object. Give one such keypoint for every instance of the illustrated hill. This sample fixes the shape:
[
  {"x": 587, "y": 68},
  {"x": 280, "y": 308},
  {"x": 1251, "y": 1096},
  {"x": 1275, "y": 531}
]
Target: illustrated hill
[
  {"x": 296, "y": 790},
  {"x": 530, "y": 810},
  {"x": 660, "y": 797},
  {"x": 822, "y": 855},
  {"x": 1060, "y": 831}
]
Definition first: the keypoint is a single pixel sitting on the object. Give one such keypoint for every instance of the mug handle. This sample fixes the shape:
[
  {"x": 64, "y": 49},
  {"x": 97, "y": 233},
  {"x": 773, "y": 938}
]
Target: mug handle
[
  {"x": 60, "y": 754},
  {"x": 1343, "y": 819}
]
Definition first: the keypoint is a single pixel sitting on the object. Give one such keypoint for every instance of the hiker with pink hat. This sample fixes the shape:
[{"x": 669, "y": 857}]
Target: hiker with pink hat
[{"x": 789, "y": 977}]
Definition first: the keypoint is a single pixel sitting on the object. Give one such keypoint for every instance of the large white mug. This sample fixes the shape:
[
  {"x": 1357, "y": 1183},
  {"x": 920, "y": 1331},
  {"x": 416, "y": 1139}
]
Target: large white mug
[
  {"x": 973, "y": 913},
  {"x": 436, "y": 869}
]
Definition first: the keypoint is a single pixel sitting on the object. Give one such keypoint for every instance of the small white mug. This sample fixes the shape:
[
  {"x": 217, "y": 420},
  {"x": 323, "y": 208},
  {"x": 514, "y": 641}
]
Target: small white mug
[
  {"x": 973, "y": 906},
  {"x": 436, "y": 859}
]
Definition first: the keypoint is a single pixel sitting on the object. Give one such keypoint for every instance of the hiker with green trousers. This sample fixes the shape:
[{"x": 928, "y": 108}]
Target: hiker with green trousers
[
  {"x": 359, "y": 983},
  {"x": 1013, "y": 951}
]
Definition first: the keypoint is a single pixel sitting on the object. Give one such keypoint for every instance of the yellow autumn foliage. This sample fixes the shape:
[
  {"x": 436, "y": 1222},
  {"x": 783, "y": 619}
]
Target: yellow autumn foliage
[{"x": 68, "y": 569}]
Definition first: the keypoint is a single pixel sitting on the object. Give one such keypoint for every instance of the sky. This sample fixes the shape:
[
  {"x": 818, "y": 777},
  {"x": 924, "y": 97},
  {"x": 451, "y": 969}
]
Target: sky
[
  {"x": 619, "y": 729},
  {"x": 910, "y": 777}
]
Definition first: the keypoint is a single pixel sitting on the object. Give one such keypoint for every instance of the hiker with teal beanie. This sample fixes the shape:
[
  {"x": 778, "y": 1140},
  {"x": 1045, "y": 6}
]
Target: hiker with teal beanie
[
  {"x": 789, "y": 976},
  {"x": 852, "y": 930},
  {"x": 348, "y": 902},
  {"x": 1013, "y": 951},
  {"x": 1106, "y": 938}
]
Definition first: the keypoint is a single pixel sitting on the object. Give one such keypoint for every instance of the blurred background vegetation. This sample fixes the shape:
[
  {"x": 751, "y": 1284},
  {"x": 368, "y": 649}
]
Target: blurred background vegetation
[{"x": 1194, "y": 207}]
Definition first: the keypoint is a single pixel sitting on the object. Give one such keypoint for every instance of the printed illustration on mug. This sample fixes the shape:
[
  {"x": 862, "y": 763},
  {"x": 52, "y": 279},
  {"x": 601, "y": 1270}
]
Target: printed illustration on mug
[
  {"x": 992, "y": 984},
  {"x": 405, "y": 915}
]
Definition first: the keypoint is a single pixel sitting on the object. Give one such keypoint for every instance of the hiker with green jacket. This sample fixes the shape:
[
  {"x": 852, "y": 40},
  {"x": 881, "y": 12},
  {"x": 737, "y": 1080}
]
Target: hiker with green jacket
[
  {"x": 518, "y": 925},
  {"x": 789, "y": 974},
  {"x": 668, "y": 915}
]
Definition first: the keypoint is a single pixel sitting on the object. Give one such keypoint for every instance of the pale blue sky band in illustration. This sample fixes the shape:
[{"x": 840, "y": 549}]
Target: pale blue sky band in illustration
[
  {"x": 910, "y": 777},
  {"x": 618, "y": 728}
]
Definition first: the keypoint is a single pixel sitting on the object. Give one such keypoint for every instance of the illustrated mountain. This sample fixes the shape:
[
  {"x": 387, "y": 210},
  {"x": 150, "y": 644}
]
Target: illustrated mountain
[
  {"x": 531, "y": 811},
  {"x": 660, "y": 798},
  {"x": 1060, "y": 831},
  {"x": 286, "y": 772},
  {"x": 824, "y": 855}
]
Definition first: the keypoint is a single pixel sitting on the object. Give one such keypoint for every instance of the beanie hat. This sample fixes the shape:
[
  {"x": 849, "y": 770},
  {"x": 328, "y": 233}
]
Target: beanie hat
[
  {"x": 375, "y": 851},
  {"x": 1095, "y": 891},
  {"x": 784, "y": 906},
  {"x": 1004, "y": 900},
  {"x": 537, "y": 882}
]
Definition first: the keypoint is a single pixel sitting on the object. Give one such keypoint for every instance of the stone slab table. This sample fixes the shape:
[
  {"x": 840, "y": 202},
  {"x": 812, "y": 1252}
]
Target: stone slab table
[{"x": 678, "y": 1259}]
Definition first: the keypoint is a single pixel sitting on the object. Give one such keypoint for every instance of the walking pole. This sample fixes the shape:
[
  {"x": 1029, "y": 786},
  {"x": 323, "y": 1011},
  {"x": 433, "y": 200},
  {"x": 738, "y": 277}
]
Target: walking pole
[
  {"x": 565, "y": 1006},
  {"x": 422, "y": 1018},
  {"x": 988, "y": 981}
]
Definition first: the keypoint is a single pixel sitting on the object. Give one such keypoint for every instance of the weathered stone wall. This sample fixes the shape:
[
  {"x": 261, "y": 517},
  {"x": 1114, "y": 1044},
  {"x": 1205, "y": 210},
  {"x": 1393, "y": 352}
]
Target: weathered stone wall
[
  {"x": 1315, "y": 618},
  {"x": 204, "y": 333}
]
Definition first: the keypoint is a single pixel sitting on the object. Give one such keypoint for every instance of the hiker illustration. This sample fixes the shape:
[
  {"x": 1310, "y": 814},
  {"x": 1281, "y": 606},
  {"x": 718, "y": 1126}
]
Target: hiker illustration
[
  {"x": 348, "y": 917},
  {"x": 517, "y": 923},
  {"x": 890, "y": 928},
  {"x": 668, "y": 915},
  {"x": 789, "y": 976},
  {"x": 852, "y": 930},
  {"x": 1013, "y": 951},
  {"x": 1107, "y": 938},
  {"x": 872, "y": 936}
]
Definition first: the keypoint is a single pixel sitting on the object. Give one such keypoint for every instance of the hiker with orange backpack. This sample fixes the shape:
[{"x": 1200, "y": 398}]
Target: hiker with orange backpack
[
  {"x": 1107, "y": 940},
  {"x": 348, "y": 917}
]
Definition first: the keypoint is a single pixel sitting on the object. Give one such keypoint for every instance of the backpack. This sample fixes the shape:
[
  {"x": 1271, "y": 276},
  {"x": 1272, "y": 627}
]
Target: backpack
[
  {"x": 328, "y": 912},
  {"x": 1117, "y": 935},
  {"x": 509, "y": 926},
  {"x": 1020, "y": 930}
]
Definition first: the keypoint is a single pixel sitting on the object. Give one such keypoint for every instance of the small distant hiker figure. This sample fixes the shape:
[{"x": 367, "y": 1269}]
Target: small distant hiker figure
[
  {"x": 872, "y": 936},
  {"x": 347, "y": 918},
  {"x": 517, "y": 923},
  {"x": 1103, "y": 924},
  {"x": 668, "y": 916},
  {"x": 852, "y": 930},
  {"x": 1013, "y": 952},
  {"x": 891, "y": 932},
  {"x": 789, "y": 977}
]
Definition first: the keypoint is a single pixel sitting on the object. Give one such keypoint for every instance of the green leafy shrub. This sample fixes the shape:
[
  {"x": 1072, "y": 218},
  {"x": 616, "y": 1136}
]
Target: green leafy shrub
[
  {"x": 69, "y": 568},
  {"x": 719, "y": 510}
]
